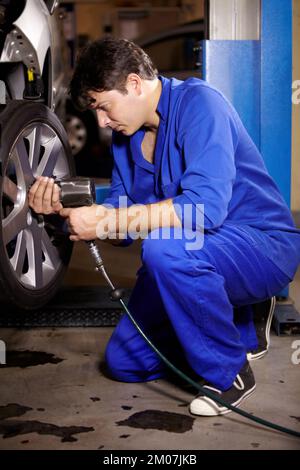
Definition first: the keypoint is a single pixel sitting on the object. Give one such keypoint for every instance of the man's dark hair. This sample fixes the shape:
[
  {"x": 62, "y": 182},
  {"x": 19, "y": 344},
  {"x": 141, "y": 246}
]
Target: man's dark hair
[{"x": 104, "y": 65}]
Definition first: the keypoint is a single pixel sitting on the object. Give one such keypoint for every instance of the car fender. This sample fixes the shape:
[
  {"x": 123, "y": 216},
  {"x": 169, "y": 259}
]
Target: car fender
[{"x": 27, "y": 42}]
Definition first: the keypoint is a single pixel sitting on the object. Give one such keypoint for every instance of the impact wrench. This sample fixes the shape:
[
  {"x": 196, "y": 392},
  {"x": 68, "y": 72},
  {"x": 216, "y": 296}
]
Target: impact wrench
[{"x": 78, "y": 192}]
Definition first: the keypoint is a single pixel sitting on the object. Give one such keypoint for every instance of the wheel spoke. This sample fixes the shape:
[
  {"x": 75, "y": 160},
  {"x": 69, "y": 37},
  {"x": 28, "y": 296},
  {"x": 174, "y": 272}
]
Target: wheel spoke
[
  {"x": 23, "y": 159},
  {"x": 10, "y": 189},
  {"x": 49, "y": 250},
  {"x": 18, "y": 258},
  {"x": 49, "y": 159},
  {"x": 34, "y": 253},
  {"x": 12, "y": 225},
  {"x": 34, "y": 139}
]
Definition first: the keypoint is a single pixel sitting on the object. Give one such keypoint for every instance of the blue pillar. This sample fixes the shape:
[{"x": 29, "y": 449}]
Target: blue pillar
[
  {"x": 256, "y": 76},
  {"x": 276, "y": 91},
  {"x": 233, "y": 66}
]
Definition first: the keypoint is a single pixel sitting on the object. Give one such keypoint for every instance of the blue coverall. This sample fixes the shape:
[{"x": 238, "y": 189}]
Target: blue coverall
[{"x": 185, "y": 300}]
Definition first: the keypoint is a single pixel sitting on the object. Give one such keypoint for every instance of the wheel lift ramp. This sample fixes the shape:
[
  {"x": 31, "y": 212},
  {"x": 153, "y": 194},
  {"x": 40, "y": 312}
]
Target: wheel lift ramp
[{"x": 82, "y": 306}]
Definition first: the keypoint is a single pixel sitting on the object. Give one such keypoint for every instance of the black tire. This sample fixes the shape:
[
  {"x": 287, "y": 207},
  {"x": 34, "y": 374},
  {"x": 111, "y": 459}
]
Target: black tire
[{"x": 34, "y": 250}]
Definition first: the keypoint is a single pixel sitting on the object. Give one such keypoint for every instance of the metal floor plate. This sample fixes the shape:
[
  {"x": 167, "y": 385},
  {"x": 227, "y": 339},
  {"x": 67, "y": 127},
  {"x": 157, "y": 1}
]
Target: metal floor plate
[
  {"x": 286, "y": 320},
  {"x": 87, "y": 306},
  {"x": 82, "y": 306}
]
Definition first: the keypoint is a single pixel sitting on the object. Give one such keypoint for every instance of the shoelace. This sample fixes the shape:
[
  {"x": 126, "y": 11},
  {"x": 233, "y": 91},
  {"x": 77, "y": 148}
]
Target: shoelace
[{"x": 241, "y": 385}]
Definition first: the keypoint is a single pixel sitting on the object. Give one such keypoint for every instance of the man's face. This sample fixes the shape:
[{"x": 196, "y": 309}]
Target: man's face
[{"x": 122, "y": 113}]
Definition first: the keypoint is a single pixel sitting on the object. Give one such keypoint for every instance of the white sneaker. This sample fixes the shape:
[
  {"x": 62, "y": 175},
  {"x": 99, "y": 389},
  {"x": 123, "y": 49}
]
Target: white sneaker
[{"x": 242, "y": 388}]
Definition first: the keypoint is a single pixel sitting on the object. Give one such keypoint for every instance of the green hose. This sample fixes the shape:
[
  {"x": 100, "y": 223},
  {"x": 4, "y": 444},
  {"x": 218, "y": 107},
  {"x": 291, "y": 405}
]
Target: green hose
[{"x": 204, "y": 390}]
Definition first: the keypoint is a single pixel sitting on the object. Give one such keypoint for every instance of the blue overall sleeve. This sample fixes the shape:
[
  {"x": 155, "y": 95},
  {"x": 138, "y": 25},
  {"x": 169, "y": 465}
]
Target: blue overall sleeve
[
  {"x": 116, "y": 189},
  {"x": 208, "y": 137}
]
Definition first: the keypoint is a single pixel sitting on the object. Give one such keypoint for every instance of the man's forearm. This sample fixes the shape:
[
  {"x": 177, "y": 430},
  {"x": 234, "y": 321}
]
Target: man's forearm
[{"x": 145, "y": 218}]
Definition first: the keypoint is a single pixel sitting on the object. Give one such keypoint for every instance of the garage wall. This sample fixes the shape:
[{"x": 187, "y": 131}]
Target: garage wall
[
  {"x": 295, "y": 199},
  {"x": 135, "y": 18},
  {"x": 234, "y": 19},
  {"x": 90, "y": 18}
]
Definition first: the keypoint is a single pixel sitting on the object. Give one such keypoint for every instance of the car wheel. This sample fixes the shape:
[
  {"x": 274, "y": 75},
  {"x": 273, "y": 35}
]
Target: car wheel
[
  {"x": 77, "y": 133},
  {"x": 90, "y": 144},
  {"x": 34, "y": 249}
]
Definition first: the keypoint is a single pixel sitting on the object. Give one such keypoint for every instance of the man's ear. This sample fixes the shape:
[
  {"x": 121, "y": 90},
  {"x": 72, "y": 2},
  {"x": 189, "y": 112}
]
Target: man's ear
[{"x": 134, "y": 83}]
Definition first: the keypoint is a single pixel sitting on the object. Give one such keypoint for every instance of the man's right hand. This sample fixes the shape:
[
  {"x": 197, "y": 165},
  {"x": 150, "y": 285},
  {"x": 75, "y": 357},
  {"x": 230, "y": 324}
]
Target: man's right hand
[{"x": 43, "y": 196}]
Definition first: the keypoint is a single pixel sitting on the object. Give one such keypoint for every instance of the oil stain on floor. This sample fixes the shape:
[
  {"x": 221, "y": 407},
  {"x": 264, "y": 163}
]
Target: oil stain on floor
[
  {"x": 12, "y": 410},
  {"x": 159, "y": 420},
  {"x": 13, "y": 427},
  {"x": 26, "y": 358}
]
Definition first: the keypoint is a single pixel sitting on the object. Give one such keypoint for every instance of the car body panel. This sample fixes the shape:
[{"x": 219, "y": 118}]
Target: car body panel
[{"x": 27, "y": 42}]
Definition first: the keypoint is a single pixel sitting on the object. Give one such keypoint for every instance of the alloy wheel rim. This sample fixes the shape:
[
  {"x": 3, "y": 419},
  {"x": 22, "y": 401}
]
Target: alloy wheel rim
[{"x": 30, "y": 240}]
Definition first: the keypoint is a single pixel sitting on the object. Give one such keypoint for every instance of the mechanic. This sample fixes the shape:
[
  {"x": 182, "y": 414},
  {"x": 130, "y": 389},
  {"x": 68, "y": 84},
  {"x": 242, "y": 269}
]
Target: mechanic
[{"x": 178, "y": 144}]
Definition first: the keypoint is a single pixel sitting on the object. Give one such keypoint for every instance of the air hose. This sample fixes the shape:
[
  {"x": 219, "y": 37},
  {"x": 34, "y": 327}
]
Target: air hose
[{"x": 116, "y": 295}]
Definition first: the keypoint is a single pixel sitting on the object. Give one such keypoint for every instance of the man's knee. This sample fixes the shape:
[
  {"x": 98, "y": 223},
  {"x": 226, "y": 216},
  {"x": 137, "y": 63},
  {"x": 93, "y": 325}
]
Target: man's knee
[
  {"x": 115, "y": 363},
  {"x": 126, "y": 366},
  {"x": 160, "y": 250},
  {"x": 161, "y": 253}
]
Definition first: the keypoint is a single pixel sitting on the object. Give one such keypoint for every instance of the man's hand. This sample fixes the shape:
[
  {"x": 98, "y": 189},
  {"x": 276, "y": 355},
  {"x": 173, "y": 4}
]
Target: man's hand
[
  {"x": 82, "y": 221},
  {"x": 43, "y": 196}
]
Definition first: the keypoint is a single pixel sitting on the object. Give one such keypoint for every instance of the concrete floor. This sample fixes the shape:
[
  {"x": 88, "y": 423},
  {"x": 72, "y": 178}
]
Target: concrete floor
[{"x": 56, "y": 395}]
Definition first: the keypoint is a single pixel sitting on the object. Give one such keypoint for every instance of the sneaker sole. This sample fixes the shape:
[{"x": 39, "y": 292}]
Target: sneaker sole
[
  {"x": 254, "y": 357},
  {"x": 260, "y": 354},
  {"x": 223, "y": 411}
]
